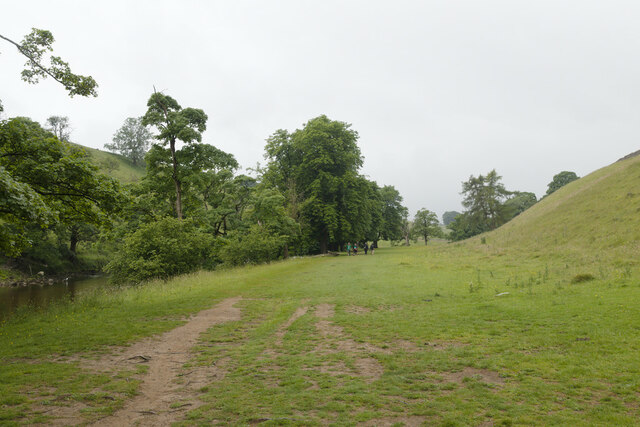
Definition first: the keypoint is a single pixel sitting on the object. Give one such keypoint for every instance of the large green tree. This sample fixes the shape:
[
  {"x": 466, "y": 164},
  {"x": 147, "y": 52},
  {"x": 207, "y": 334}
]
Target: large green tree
[
  {"x": 393, "y": 214},
  {"x": 174, "y": 124},
  {"x": 426, "y": 224},
  {"x": 132, "y": 140},
  {"x": 483, "y": 198},
  {"x": 45, "y": 181},
  {"x": 316, "y": 168},
  {"x": 327, "y": 176}
]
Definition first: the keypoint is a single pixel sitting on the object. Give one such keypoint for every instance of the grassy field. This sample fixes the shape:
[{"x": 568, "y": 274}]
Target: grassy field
[
  {"x": 407, "y": 334},
  {"x": 537, "y": 323}
]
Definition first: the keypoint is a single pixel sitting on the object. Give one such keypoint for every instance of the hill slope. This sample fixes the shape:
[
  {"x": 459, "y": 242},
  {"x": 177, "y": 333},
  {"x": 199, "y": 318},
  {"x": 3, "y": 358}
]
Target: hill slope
[
  {"x": 115, "y": 165},
  {"x": 594, "y": 218}
]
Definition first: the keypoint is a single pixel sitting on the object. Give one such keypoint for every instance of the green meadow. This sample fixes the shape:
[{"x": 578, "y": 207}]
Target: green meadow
[{"x": 536, "y": 323}]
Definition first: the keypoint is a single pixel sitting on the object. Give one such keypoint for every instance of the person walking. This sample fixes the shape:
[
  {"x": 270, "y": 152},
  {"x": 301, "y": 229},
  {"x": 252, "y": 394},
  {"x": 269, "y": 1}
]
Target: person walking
[
  {"x": 366, "y": 247},
  {"x": 349, "y": 248},
  {"x": 355, "y": 248},
  {"x": 372, "y": 248}
]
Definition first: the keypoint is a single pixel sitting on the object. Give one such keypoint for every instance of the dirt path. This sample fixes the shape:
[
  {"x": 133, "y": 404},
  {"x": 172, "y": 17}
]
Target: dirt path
[{"x": 165, "y": 356}]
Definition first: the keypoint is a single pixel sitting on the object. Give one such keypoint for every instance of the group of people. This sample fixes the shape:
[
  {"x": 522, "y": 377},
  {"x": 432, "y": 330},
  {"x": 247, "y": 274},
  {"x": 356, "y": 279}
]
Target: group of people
[{"x": 354, "y": 248}]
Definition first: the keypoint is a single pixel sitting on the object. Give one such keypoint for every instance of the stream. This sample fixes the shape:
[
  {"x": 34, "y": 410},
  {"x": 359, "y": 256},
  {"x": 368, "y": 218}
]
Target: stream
[{"x": 40, "y": 296}]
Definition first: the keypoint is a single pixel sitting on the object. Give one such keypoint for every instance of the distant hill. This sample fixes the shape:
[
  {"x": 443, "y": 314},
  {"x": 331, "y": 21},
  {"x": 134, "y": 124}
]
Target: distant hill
[
  {"x": 594, "y": 218},
  {"x": 115, "y": 165}
]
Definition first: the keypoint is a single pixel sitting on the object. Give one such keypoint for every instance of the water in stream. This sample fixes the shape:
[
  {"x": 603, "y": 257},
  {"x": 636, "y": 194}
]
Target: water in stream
[{"x": 41, "y": 296}]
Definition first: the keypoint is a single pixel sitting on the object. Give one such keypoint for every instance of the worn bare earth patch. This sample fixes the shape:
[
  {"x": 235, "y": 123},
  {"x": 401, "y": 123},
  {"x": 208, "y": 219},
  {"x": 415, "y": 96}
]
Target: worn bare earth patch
[{"x": 161, "y": 398}]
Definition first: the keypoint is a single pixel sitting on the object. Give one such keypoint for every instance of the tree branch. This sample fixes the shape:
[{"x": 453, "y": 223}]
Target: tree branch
[{"x": 33, "y": 61}]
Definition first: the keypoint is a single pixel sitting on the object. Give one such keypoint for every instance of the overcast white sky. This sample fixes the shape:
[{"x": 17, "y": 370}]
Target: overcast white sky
[{"x": 438, "y": 90}]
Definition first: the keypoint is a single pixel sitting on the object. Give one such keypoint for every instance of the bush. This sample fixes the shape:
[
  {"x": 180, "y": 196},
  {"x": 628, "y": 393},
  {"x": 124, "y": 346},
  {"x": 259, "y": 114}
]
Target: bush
[
  {"x": 255, "y": 246},
  {"x": 162, "y": 249},
  {"x": 584, "y": 277}
]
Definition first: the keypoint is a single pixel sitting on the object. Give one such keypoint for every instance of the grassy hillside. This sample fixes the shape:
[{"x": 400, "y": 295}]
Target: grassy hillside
[
  {"x": 115, "y": 165},
  {"x": 593, "y": 219}
]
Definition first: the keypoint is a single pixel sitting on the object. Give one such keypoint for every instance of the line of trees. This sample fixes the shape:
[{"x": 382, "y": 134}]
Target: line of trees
[
  {"x": 489, "y": 204},
  {"x": 192, "y": 210}
]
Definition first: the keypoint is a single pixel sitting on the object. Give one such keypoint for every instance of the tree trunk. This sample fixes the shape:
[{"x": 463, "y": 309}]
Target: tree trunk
[
  {"x": 285, "y": 251},
  {"x": 324, "y": 241},
  {"x": 425, "y": 239},
  {"x": 73, "y": 240},
  {"x": 406, "y": 239},
  {"x": 176, "y": 181}
]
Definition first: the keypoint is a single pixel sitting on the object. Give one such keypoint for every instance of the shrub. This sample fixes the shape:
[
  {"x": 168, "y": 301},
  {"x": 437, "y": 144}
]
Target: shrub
[
  {"x": 162, "y": 249},
  {"x": 255, "y": 246},
  {"x": 583, "y": 277}
]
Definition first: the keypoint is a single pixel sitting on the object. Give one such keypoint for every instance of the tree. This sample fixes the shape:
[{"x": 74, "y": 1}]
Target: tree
[
  {"x": 34, "y": 46},
  {"x": 519, "y": 202},
  {"x": 59, "y": 126},
  {"x": 426, "y": 224},
  {"x": 483, "y": 199},
  {"x": 449, "y": 216},
  {"x": 132, "y": 140},
  {"x": 407, "y": 229},
  {"x": 45, "y": 181},
  {"x": 560, "y": 180},
  {"x": 174, "y": 123},
  {"x": 463, "y": 227},
  {"x": 393, "y": 214},
  {"x": 316, "y": 169}
]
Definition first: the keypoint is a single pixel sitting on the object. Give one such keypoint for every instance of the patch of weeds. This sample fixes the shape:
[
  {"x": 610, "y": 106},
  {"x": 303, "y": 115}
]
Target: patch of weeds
[{"x": 582, "y": 277}]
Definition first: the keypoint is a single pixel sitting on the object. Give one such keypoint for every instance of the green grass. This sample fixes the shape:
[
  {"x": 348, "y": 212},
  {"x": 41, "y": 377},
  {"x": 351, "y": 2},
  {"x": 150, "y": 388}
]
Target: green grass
[
  {"x": 115, "y": 165},
  {"x": 537, "y": 326}
]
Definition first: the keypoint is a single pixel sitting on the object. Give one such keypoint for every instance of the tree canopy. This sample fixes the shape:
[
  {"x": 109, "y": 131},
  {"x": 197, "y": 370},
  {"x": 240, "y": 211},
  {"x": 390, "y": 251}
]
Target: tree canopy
[
  {"x": 484, "y": 197},
  {"x": 560, "y": 180},
  {"x": 46, "y": 181},
  {"x": 174, "y": 124},
  {"x": 426, "y": 224},
  {"x": 449, "y": 216},
  {"x": 132, "y": 140},
  {"x": 35, "y": 46},
  {"x": 60, "y": 127}
]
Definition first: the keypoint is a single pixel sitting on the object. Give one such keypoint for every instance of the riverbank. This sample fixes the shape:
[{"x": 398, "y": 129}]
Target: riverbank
[{"x": 11, "y": 277}]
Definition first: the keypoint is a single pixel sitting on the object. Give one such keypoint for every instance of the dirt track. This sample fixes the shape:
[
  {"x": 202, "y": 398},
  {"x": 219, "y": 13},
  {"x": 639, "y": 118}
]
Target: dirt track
[{"x": 164, "y": 356}]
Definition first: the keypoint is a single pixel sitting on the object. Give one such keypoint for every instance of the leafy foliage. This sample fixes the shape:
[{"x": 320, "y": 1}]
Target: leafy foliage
[
  {"x": 449, "y": 216},
  {"x": 163, "y": 249},
  {"x": 254, "y": 246},
  {"x": 519, "y": 202},
  {"x": 132, "y": 140},
  {"x": 483, "y": 198},
  {"x": 426, "y": 224},
  {"x": 174, "y": 123},
  {"x": 35, "y": 47},
  {"x": 560, "y": 180},
  {"x": 45, "y": 181},
  {"x": 316, "y": 170},
  {"x": 393, "y": 213},
  {"x": 59, "y": 126}
]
